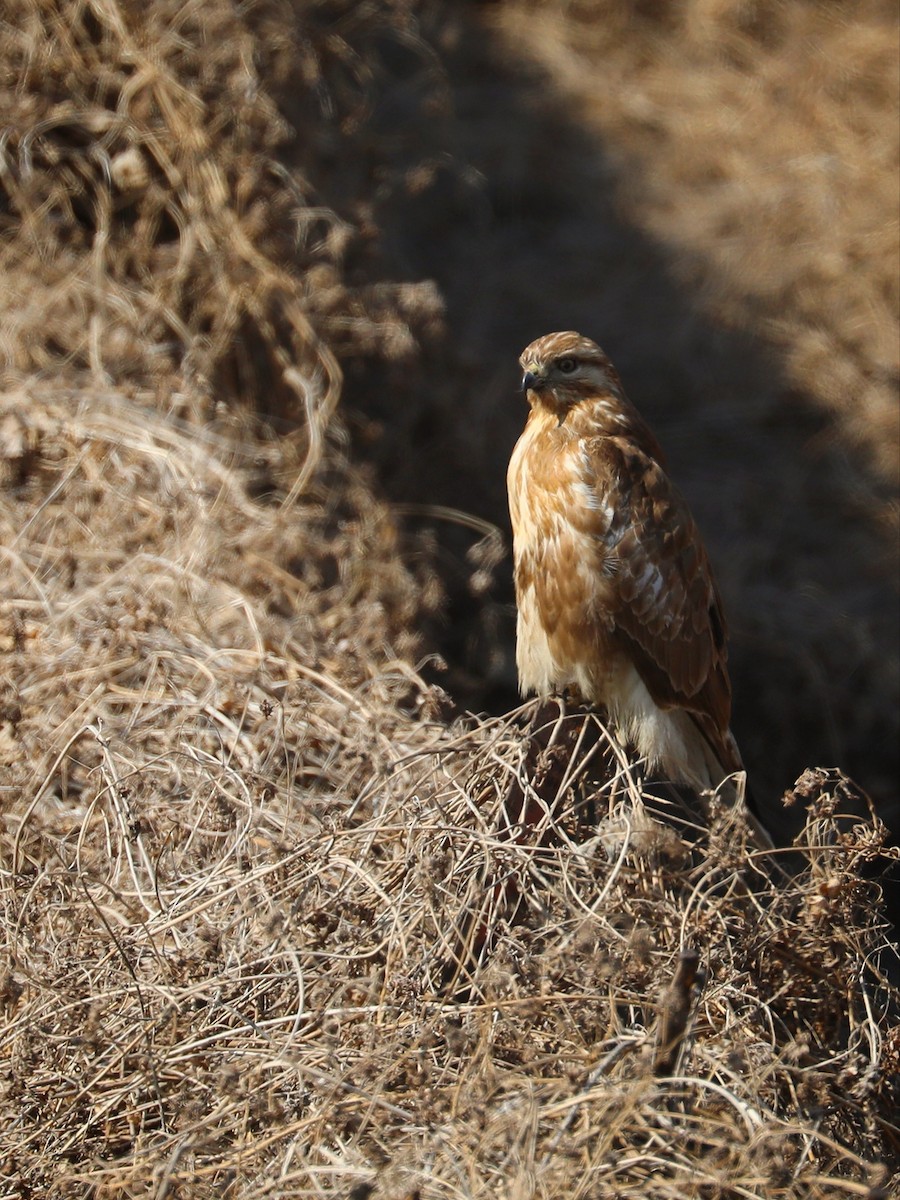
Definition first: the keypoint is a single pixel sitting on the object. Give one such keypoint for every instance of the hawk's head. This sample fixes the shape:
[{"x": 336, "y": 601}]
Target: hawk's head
[{"x": 563, "y": 368}]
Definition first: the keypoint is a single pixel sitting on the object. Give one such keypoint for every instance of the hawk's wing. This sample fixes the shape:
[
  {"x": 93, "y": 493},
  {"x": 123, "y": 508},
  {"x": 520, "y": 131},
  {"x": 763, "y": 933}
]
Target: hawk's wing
[{"x": 664, "y": 601}]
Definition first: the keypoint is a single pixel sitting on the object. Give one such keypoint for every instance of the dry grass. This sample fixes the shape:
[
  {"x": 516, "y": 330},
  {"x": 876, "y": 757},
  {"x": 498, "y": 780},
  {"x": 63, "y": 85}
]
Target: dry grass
[
  {"x": 235, "y": 844},
  {"x": 237, "y": 830},
  {"x": 773, "y": 174},
  {"x": 155, "y": 237}
]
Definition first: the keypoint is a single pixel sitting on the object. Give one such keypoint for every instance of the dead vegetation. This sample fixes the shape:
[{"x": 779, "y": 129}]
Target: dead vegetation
[
  {"x": 775, "y": 172},
  {"x": 238, "y": 828}
]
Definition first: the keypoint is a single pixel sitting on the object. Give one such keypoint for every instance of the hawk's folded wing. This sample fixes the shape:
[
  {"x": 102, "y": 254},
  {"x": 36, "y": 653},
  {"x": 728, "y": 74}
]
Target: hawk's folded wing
[{"x": 661, "y": 593}]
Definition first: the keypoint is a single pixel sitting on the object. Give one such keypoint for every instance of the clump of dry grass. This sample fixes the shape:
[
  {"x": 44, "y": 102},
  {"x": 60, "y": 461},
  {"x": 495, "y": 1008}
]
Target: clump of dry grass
[
  {"x": 236, "y": 833},
  {"x": 153, "y": 231},
  {"x": 155, "y": 620}
]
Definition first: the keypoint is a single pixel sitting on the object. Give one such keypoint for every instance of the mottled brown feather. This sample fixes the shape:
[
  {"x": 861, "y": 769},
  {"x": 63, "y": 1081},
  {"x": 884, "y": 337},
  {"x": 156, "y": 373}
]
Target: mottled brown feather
[
  {"x": 659, "y": 541},
  {"x": 610, "y": 568}
]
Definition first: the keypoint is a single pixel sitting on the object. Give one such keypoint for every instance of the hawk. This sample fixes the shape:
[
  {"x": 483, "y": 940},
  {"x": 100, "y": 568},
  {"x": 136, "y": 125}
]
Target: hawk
[{"x": 615, "y": 594}]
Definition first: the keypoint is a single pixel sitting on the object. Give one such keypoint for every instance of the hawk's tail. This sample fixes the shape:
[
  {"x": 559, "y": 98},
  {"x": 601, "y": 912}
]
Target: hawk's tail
[{"x": 715, "y": 764}]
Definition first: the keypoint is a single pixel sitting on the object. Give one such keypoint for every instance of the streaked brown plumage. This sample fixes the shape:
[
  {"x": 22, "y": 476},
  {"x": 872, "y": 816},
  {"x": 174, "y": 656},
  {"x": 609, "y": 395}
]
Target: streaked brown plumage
[{"x": 615, "y": 594}]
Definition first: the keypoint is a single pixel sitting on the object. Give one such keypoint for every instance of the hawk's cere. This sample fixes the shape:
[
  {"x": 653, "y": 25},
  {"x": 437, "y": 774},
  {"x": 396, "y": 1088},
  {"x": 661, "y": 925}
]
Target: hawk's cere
[{"x": 616, "y": 598}]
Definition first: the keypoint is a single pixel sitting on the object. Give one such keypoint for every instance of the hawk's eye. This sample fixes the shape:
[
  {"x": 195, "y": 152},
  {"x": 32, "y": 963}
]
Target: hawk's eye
[{"x": 566, "y": 365}]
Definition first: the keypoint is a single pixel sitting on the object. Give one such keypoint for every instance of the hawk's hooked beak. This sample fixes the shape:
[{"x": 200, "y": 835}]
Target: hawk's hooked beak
[{"x": 532, "y": 382}]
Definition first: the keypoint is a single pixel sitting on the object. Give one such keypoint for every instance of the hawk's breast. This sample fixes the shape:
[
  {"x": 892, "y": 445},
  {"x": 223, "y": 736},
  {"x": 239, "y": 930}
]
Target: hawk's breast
[{"x": 561, "y": 524}]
